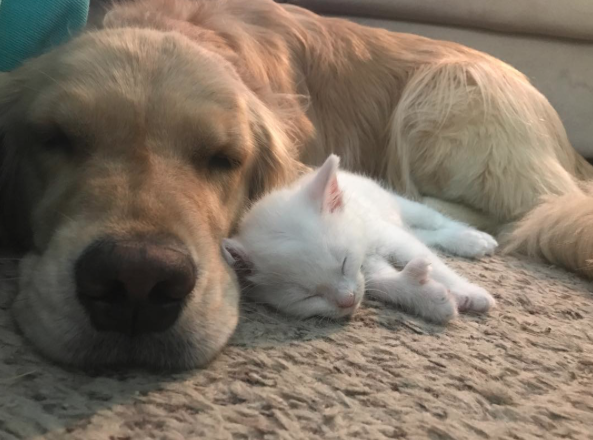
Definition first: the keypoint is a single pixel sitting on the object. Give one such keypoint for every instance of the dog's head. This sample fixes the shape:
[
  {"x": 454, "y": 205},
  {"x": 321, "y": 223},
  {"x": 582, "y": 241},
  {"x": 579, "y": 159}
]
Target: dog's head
[{"x": 126, "y": 157}]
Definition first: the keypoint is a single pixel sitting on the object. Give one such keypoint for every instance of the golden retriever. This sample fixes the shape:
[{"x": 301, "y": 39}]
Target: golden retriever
[{"x": 131, "y": 151}]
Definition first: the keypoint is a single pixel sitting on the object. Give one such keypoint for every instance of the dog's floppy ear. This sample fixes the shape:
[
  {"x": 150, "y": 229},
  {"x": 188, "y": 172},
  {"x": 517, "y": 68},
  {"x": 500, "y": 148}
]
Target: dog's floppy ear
[
  {"x": 276, "y": 163},
  {"x": 14, "y": 220}
]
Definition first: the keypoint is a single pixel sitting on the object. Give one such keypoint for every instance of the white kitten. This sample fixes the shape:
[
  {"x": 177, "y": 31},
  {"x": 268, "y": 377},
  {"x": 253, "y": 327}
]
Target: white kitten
[{"x": 315, "y": 247}]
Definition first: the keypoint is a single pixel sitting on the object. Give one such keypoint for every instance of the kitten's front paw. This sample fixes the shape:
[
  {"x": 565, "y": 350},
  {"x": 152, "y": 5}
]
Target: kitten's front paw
[
  {"x": 472, "y": 298},
  {"x": 471, "y": 243},
  {"x": 437, "y": 304},
  {"x": 417, "y": 270}
]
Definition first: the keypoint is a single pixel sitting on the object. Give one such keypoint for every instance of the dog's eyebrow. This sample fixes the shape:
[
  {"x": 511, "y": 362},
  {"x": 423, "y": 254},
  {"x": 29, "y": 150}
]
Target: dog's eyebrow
[{"x": 212, "y": 130}]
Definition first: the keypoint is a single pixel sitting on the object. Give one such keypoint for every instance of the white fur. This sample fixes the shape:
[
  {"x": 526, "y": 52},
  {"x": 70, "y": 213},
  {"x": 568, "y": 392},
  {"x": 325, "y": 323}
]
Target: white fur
[{"x": 291, "y": 247}]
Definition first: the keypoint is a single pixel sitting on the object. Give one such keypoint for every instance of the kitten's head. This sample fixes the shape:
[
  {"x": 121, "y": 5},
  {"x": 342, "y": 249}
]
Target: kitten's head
[{"x": 300, "y": 250}]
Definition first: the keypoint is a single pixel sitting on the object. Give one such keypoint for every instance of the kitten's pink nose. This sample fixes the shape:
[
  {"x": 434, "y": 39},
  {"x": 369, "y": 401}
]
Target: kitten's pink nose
[{"x": 345, "y": 301}]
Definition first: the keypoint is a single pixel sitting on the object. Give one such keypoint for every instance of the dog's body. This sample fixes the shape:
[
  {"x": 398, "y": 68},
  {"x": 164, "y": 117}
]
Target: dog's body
[{"x": 150, "y": 136}]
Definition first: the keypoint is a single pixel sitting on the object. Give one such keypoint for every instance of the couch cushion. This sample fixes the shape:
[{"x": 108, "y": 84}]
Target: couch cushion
[
  {"x": 560, "y": 18},
  {"x": 30, "y": 27}
]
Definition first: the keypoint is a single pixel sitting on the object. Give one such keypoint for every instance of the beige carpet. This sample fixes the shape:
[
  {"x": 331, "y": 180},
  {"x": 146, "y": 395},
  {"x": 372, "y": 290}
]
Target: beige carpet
[{"x": 524, "y": 372}]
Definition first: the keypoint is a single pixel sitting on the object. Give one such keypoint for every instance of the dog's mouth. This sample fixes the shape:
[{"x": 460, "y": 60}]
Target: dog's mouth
[{"x": 126, "y": 304}]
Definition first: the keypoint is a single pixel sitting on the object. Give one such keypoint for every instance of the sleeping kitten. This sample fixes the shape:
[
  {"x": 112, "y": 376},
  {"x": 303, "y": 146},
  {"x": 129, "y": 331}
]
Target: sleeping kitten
[{"x": 315, "y": 247}]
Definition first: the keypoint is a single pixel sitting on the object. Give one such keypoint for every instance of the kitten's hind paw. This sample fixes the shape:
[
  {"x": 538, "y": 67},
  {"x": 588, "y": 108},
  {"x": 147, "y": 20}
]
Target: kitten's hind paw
[
  {"x": 472, "y": 298},
  {"x": 442, "y": 307}
]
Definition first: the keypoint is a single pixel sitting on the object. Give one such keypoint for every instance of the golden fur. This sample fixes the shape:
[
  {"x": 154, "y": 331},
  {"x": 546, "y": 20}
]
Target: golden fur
[{"x": 166, "y": 85}]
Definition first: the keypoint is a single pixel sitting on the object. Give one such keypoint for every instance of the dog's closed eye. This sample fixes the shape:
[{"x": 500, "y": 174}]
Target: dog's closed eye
[
  {"x": 223, "y": 162},
  {"x": 56, "y": 140}
]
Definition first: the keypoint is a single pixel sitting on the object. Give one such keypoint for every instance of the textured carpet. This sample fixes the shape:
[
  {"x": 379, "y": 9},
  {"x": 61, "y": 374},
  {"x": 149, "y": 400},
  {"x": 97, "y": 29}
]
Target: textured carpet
[{"x": 524, "y": 372}]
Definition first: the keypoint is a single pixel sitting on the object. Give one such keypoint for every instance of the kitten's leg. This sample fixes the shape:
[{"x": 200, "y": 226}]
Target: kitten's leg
[
  {"x": 412, "y": 289},
  {"x": 462, "y": 241},
  {"x": 400, "y": 245},
  {"x": 437, "y": 230}
]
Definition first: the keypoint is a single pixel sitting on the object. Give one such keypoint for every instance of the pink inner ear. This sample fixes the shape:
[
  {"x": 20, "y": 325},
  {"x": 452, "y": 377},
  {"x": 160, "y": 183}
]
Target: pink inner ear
[{"x": 334, "y": 198}]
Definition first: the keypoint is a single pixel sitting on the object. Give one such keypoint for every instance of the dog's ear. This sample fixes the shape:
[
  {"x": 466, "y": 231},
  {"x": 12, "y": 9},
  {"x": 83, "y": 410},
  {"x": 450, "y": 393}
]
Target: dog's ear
[
  {"x": 15, "y": 234},
  {"x": 276, "y": 163}
]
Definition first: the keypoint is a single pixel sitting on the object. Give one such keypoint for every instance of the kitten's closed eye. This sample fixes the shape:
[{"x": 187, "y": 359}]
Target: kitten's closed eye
[{"x": 344, "y": 265}]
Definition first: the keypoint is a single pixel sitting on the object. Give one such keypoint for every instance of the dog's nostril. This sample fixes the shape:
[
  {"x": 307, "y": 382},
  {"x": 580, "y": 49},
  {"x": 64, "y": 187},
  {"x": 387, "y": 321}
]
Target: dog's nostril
[
  {"x": 134, "y": 286},
  {"x": 115, "y": 293},
  {"x": 165, "y": 292}
]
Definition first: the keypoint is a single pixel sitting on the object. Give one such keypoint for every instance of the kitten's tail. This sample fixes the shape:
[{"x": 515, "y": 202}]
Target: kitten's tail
[{"x": 560, "y": 230}]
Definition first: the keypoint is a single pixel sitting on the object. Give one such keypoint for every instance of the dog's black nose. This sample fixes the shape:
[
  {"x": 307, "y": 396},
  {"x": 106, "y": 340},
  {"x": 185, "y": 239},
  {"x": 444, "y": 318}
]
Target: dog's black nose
[{"x": 134, "y": 286}]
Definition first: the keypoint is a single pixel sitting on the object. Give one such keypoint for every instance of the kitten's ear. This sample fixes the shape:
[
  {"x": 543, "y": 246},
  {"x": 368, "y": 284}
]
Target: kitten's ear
[
  {"x": 324, "y": 189},
  {"x": 237, "y": 257}
]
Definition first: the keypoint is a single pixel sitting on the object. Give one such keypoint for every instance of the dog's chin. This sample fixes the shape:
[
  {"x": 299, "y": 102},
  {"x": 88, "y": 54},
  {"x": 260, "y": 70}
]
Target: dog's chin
[{"x": 51, "y": 317}]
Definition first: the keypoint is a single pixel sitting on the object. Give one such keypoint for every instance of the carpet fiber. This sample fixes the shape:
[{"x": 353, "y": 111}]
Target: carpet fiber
[{"x": 523, "y": 372}]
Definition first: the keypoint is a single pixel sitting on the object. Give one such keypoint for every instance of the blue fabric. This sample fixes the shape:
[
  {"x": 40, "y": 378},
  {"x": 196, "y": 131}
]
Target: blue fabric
[{"x": 28, "y": 28}]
